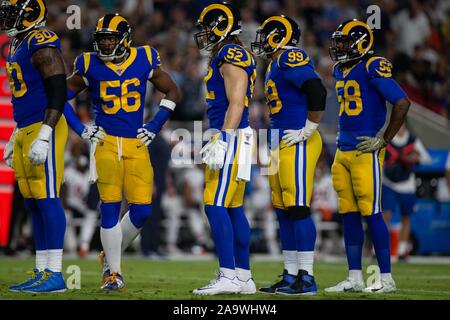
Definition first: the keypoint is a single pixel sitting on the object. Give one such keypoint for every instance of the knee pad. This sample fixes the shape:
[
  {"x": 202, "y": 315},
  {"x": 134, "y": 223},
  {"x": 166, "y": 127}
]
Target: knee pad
[
  {"x": 139, "y": 213},
  {"x": 298, "y": 212},
  {"x": 110, "y": 214}
]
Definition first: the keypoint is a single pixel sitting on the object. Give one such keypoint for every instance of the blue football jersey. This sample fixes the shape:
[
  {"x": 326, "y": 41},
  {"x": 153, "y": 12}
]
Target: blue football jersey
[
  {"x": 284, "y": 78},
  {"x": 362, "y": 91},
  {"x": 118, "y": 91},
  {"x": 29, "y": 98},
  {"x": 215, "y": 88}
]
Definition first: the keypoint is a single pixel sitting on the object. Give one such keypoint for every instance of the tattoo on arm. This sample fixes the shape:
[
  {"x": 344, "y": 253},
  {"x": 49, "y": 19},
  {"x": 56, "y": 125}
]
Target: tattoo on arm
[{"x": 49, "y": 61}]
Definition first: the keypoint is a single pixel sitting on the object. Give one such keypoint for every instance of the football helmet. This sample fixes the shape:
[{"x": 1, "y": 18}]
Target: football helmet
[
  {"x": 352, "y": 40},
  {"x": 216, "y": 22},
  {"x": 19, "y": 16},
  {"x": 275, "y": 33},
  {"x": 116, "y": 26}
]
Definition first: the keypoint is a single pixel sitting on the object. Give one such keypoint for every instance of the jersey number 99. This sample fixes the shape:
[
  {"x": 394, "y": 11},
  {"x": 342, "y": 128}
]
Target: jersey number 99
[
  {"x": 274, "y": 101},
  {"x": 121, "y": 102}
]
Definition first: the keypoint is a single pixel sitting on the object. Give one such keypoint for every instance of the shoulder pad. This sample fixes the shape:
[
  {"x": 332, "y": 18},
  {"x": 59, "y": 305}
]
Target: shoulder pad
[
  {"x": 292, "y": 58},
  {"x": 236, "y": 55},
  {"x": 153, "y": 56},
  {"x": 378, "y": 67},
  {"x": 82, "y": 63},
  {"x": 43, "y": 38}
]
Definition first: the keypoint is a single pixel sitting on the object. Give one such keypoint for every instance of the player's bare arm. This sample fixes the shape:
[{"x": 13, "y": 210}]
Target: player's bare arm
[
  {"x": 398, "y": 116},
  {"x": 75, "y": 83},
  {"x": 50, "y": 63},
  {"x": 236, "y": 81},
  {"x": 165, "y": 84}
]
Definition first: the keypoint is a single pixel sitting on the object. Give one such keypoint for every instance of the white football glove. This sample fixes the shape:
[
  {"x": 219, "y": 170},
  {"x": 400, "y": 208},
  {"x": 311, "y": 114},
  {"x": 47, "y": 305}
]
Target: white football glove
[
  {"x": 9, "y": 148},
  {"x": 292, "y": 137},
  {"x": 213, "y": 153},
  {"x": 146, "y": 136},
  {"x": 93, "y": 134},
  {"x": 39, "y": 148}
]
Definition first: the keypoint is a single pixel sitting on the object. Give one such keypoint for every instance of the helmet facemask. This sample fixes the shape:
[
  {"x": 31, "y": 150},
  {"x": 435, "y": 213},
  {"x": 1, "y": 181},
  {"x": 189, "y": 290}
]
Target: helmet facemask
[{"x": 107, "y": 53}]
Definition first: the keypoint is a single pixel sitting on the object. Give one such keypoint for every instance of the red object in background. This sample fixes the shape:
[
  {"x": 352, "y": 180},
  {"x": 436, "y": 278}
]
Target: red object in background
[
  {"x": 4, "y": 45},
  {"x": 6, "y": 197},
  {"x": 6, "y": 129},
  {"x": 5, "y": 91},
  {"x": 6, "y": 125}
]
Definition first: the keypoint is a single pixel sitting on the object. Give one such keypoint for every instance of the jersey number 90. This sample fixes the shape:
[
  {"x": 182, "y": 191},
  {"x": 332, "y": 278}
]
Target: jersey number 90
[{"x": 16, "y": 82}]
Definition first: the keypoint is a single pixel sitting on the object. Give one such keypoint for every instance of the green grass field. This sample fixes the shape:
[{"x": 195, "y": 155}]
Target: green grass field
[{"x": 155, "y": 280}]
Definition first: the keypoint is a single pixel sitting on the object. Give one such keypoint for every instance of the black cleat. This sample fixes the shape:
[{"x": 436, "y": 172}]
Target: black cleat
[{"x": 286, "y": 280}]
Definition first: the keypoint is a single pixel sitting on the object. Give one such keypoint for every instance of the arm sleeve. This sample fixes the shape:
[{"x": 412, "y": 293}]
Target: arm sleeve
[
  {"x": 158, "y": 120},
  {"x": 316, "y": 94},
  {"x": 72, "y": 119}
]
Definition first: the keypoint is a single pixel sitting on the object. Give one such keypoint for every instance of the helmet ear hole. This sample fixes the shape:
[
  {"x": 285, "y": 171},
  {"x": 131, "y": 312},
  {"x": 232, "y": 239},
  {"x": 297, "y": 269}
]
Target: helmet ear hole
[{"x": 276, "y": 38}]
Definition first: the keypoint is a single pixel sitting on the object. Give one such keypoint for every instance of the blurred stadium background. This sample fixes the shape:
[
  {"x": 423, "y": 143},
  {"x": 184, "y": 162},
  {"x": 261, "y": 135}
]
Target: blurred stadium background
[{"x": 414, "y": 35}]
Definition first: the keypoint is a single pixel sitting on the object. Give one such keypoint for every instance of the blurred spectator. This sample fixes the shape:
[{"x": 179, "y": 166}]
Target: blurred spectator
[
  {"x": 324, "y": 205},
  {"x": 76, "y": 190},
  {"x": 399, "y": 185},
  {"x": 412, "y": 27}
]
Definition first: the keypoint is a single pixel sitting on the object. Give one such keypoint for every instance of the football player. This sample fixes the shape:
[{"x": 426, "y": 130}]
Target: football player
[
  {"x": 296, "y": 99},
  {"x": 363, "y": 84},
  {"x": 116, "y": 76},
  {"x": 37, "y": 77},
  {"x": 229, "y": 86}
]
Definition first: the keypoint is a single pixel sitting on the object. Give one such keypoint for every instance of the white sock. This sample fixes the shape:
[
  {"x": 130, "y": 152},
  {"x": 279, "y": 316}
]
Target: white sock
[
  {"x": 243, "y": 274},
  {"x": 356, "y": 275},
  {"x": 306, "y": 261},
  {"x": 386, "y": 276},
  {"x": 403, "y": 248},
  {"x": 228, "y": 273},
  {"x": 41, "y": 259},
  {"x": 112, "y": 241},
  {"x": 290, "y": 261},
  {"x": 54, "y": 260},
  {"x": 129, "y": 231}
]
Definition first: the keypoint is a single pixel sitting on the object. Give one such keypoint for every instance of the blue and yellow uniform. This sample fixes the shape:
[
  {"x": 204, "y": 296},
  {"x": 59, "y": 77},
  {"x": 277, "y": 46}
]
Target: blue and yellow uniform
[
  {"x": 30, "y": 101},
  {"x": 118, "y": 94},
  {"x": 362, "y": 90},
  {"x": 292, "y": 168},
  {"x": 222, "y": 187}
]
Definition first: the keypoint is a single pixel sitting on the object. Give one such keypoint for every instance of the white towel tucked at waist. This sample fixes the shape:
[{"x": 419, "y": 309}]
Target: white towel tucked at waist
[
  {"x": 245, "y": 146},
  {"x": 92, "y": 165}
]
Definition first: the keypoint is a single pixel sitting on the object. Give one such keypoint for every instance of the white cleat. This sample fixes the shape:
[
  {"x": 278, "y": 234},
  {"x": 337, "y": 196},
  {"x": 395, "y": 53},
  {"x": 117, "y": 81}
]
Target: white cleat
[
  {"x": 247, "y": 287},
  {"x": 383, "y": 286},
  {"x": 220, "y": 285},
  {"x": 348, "y": 285}
]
